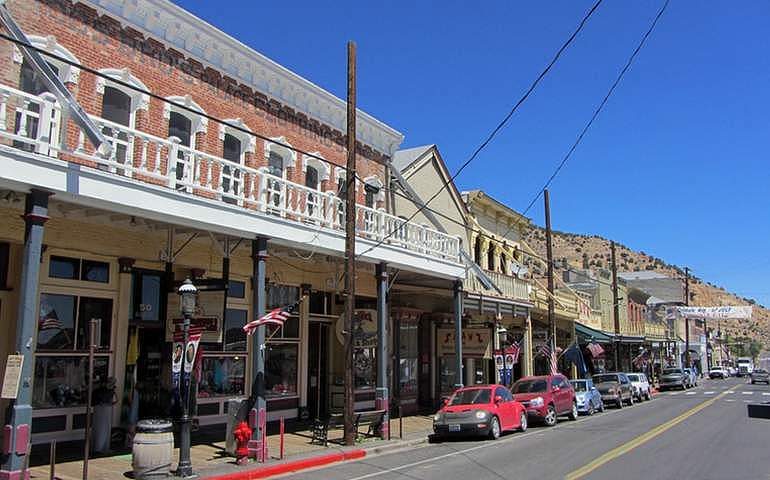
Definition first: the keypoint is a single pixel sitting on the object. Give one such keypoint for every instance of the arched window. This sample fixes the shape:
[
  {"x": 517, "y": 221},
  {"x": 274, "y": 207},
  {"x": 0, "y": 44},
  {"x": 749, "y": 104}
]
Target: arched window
[
  {"x": 235, "y": 144},
  {"x": 183, "y": 124},
  {"x": 491, "y": 258},
  {"x": 27, "y": 121},
  {"x": 477, "y": 250},
  {"x": 373, "y": 191},
  {"x": 119, "y": 106},
  {"x": 504, "y": 264},
  {"x": 279, "y": 159}
]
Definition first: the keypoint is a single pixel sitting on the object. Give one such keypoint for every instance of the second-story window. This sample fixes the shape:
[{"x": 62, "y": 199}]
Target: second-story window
[
  {"x": 231, "y": 179},
  {"x": 116, "y": 108},
  {"x": 491, "y": 258},
  {"x": 477, "y": 250},
  {"x": 180, "y": 127},
  {"x": 28, "y": 123}
]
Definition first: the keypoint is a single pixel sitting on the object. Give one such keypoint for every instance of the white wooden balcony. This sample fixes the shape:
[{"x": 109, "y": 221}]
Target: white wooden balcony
[
  {"x": 512, "y": 288},
  {"x": 160, "y": 177}
]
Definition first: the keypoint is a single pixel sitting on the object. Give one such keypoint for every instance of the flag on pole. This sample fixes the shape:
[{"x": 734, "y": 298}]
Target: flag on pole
[
  {"x": 545, "y": 350},
  {"x": 50, "y": 322},
  {"x": 514, "y": 350},
  {"x": 274, "y": 317},
  {"x": 595, "y": 349},
  {"x": 641, "y": 359}
]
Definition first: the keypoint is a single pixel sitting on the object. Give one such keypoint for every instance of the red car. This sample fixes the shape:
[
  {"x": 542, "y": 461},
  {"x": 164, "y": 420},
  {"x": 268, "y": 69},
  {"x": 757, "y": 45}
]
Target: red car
[
  {"x": 546, "y": 397},
  {"x": 480, "y": 410}
]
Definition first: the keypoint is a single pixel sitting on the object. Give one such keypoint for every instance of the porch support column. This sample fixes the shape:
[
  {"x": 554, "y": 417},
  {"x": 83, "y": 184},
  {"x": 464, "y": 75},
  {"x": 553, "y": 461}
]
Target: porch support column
[
  {"x": 382, "y": 396},
  {"x": 18, "y": 429},
  {"x": 458, "y": 301},
  {"x": 258, "y": 414},
  {"x": 527, "y": 346}
]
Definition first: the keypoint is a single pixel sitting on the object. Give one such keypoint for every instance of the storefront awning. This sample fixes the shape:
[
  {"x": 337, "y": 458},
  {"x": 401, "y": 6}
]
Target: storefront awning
[
  {"x": 587, "y": 333},
  {"x": 630, "y": 339}
]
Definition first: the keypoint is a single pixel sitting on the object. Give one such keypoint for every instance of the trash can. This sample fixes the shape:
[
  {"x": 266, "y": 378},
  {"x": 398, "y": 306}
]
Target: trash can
[
  {"x": 102, "y": 428},
  {"x": 152, "y": 449}
]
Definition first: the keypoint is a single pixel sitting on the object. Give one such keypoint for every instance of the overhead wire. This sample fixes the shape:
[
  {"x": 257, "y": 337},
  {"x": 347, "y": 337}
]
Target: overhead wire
[{"x": 499, "y": 126}]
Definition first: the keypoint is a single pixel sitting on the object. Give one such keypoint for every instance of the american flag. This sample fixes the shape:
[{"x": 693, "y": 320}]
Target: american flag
[
  {"x": 50, "y": 322},
  {"x": 514, "y": 349},
  {"x": 595, "y": 349},
  {"x": 274, "y": 317},
  {"x": 545, "y": 350},
  {"x": 641, "y": 359}
]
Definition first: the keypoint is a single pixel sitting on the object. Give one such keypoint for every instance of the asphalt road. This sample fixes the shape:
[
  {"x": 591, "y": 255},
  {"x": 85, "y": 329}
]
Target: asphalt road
[{"x": 703, "y": 433}]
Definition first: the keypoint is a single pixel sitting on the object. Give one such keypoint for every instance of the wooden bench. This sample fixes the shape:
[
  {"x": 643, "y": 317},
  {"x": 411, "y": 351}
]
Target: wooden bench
[{"x": 371, "y": 418}]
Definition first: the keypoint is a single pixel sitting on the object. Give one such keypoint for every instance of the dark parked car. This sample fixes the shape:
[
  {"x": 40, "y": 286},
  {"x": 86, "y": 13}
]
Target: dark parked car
[
  {"x": 480, "y": 410},
  {"x": 673, "y": 378},
  {"x": 546, "y": 397},
  {"x": 615, "y": 388},
  {"x": 760, "y": 376},
  {"x": 589, "y": 400}
]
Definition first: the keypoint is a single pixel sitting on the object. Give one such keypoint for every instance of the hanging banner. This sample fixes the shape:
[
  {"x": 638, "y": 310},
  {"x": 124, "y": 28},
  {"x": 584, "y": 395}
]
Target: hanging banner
[
  {"x": 710, "y": 313},
  {"x": 364, "y": 328}
]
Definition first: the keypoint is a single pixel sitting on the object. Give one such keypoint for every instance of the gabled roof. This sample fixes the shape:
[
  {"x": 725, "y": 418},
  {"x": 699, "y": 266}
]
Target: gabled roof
[{"x": 403, "y": 159}]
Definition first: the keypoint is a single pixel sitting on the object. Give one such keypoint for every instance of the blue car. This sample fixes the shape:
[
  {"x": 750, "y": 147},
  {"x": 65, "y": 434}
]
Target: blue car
[{"x": 589, "y": 400}]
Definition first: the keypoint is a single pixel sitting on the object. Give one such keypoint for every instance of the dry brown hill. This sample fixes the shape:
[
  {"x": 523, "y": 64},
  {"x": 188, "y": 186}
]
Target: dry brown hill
[{"x": 593, "y": 251}]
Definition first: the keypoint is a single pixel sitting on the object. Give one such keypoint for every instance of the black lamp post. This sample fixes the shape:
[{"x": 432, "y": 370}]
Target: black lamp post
[{"x": 187, "y": 296}]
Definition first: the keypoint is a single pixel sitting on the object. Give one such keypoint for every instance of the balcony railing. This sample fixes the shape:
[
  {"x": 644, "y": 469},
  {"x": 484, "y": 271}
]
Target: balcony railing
[
  {"x": 33, "y": 123},
  {"x": 512, "y": 287}
]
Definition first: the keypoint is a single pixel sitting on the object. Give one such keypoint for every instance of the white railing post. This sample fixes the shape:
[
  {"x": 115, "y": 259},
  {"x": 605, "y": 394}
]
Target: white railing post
[
  {"x": 3, "y": 111},
  {"x": 21, "y": 128},
  {"x": 262, "y": 193},
  {"x": 173, "y": 160},
  {"x": 45, "y": 124}
]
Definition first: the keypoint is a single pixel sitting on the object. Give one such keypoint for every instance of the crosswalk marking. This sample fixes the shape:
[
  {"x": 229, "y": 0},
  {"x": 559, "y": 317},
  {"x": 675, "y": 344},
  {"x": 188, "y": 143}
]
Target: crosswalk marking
[
  {"x": 766, "y": 394},
  {"x": 690, "y": 393},
  {"x": 709, "y": 393},
  {"x": 730, "y": 400},
  {"x": 675, "y": 393},
  {"x": 731, "y": 391},
  {"x": 747, "y": 393}
]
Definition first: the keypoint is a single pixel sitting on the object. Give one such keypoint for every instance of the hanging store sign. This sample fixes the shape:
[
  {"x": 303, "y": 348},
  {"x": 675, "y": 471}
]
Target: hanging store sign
[
  {"x": 209, "y": 312},
  {"x": 476, "y": 342}
]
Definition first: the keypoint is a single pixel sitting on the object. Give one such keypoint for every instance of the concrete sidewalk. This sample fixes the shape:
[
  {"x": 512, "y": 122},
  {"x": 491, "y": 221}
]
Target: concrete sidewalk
[{"x": 210, "y": 460}]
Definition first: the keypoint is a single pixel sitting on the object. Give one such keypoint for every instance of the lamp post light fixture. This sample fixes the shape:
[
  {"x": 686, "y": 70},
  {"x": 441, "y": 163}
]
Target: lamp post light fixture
[{"x": 187, "y": 302}]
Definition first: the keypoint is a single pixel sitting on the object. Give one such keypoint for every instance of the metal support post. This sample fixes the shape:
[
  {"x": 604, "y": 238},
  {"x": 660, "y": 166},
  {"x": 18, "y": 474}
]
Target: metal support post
[
  {"x": 19, "y": 414},
  {"x": 458, "y": 300},
  {"x": 257, "y": 399},
  {"x": 382, "y": 396}
]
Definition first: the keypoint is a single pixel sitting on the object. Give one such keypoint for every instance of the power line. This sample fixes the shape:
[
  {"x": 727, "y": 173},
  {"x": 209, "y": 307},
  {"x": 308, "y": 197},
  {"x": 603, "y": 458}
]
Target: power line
[
  {"x": 499, "y": 126},
  {"x": 598, "y": 110}
]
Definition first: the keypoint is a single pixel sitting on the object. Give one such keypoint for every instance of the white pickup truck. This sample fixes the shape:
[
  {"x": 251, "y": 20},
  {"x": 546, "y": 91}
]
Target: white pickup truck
[{"x": 745, "y": 366}]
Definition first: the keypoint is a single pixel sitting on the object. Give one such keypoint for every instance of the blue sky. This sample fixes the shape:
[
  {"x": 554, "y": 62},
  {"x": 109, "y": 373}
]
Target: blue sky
[{"x": 675, "y": 166}]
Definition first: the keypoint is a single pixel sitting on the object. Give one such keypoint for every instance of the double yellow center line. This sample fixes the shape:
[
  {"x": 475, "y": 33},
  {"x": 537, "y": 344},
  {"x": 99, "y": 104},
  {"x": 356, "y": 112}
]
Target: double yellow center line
[{"x": 641, "y": 439}]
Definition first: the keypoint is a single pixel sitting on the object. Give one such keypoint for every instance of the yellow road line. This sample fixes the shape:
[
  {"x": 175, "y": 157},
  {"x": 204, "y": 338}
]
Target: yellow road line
[{"x": 641, "y": 439}]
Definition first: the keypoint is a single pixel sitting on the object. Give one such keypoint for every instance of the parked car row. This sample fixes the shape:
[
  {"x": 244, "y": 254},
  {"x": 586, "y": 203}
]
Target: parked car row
[
  {"x": 681, "y": 378},
  {"x": 489, "y": 410}
]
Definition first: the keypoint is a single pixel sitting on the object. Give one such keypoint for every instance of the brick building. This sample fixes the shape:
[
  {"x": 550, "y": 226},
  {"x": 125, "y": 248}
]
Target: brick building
[{"x": 218, "y": 152}]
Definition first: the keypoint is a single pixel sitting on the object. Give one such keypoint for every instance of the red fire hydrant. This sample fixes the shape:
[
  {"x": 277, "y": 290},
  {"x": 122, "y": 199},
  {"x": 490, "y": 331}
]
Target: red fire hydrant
[{"x": 242, "y": 434}]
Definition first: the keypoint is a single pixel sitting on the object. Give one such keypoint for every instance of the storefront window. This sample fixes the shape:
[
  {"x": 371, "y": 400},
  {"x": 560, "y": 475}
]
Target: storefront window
[
  {"x": 57, "y": 325},
  {"x": 364, "y": 365},
  {"x": 281, "y": 368},
  {"x": 146, "y": 297},
  {"x": 447, "y": 373},
  {"x": 235, "y": 337},
  {"x": 76, "y": 269},
  {"x": 408, "y": 346},
  {"x": 63, "y": 381},
  {"x": 222, "y": 376}
]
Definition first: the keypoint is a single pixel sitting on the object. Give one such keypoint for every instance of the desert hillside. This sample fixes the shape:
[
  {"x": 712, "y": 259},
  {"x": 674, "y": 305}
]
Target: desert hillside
[{"x": 593, "y": 251}]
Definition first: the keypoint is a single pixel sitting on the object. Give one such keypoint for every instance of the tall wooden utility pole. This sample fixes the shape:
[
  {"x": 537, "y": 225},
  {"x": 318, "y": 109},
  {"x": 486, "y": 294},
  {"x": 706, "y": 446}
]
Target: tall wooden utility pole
[
  {"x": 350, "y": 246},
  {"x": 549, "y": 258},
  {"x": 687, "y": 318},
  {"x": 615, "y": 304}
]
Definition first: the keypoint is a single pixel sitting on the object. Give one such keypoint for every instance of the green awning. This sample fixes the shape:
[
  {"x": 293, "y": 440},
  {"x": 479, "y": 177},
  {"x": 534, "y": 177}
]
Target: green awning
[{"x": 587, "y": 333}]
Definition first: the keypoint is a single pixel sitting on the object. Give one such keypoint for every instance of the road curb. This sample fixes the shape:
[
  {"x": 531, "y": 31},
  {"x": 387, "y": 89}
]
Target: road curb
[{"x": 292, "y": 466}]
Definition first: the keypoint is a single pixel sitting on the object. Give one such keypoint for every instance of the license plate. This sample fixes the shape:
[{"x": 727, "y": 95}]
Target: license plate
[{"x": 454, "y": 428}]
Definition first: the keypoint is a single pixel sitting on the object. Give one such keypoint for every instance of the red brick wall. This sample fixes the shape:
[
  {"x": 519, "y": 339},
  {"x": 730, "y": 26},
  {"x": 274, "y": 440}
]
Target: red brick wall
[{"x": 101, "y": 42}]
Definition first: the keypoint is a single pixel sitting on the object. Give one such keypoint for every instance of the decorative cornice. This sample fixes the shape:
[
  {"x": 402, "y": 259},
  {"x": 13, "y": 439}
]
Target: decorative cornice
[{"x": 192, "y": 36}]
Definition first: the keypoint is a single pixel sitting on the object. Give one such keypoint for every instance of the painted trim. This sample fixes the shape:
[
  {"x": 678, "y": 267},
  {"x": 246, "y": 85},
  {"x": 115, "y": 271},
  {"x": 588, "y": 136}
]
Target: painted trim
[
  {"x": 67, "y": 73},
  {"x": 200, "y": 123},
  {"x": 139, "y": 101}
]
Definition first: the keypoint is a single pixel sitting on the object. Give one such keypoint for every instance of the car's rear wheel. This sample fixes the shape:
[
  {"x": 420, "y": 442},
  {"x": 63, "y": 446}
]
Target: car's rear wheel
[
  {"x": 523, "y": 422},
  {"x": 573, "y": 414},
  {"x": 494, "y": 429},
  {"x": 550, "y": 416}
]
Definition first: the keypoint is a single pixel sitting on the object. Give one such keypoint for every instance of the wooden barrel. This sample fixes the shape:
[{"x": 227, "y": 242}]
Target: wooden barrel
[{"x": 152, "y": 450}]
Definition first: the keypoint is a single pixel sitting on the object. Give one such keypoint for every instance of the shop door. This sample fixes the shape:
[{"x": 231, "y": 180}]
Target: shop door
[
  {"x": 148, "y": 371},
  {"x": 318, "y": 362}
]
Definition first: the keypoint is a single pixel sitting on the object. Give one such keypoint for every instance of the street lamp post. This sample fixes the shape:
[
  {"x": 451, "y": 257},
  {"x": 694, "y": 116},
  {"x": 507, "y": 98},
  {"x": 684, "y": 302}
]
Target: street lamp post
[{"x": 187, "y": 293}]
